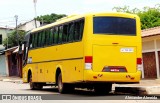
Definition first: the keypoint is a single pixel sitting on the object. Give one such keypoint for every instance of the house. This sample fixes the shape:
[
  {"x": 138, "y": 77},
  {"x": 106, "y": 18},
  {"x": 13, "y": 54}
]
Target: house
[
  {"x": 3, "y": 60},
  {"x": 27, "y": 26},
  {"x": 13, "y": 58},
  {"x": 10, "y": 59},
  {"x": 3, "y": 34},
  {"x": 14, "y": 62},
  {"x": 151, "y": 53},
  {"x": 3, "y": 66}
]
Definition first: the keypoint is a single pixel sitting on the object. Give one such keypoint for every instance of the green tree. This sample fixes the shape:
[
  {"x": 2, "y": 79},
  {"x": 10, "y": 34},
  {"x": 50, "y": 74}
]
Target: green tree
[
  {"x": 150, "y": 17},
  {"x": 126, "y": 9},
  {"x": 50, "y": 18},
  {"x": 13, "y": 39}
]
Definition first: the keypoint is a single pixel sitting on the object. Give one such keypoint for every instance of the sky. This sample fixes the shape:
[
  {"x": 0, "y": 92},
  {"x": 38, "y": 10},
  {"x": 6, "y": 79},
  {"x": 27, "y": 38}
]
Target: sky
[{"x": 25, "y": 8}]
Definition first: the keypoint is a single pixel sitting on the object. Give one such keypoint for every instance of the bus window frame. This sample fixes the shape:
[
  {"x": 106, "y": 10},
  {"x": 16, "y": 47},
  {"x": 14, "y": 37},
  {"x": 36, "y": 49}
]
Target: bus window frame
[
  {"x": 115, "y": 34},
  {"x": 53, "y": 27}
]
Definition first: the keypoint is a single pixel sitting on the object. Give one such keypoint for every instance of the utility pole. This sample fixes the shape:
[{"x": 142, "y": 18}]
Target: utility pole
[
  {"x": 7, "y": 35},
  {"x": 35, "y": 1},
  {"x": 42, "y": 22},
  {"x": 16, "y": 18}
]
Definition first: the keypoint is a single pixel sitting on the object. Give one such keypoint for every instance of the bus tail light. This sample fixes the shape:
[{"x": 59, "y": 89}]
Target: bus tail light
[
  {"x": 139, "y": 63},
  {"x": 88, "y": 62}
]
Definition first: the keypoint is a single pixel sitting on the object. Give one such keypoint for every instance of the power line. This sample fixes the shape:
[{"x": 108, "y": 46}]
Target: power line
[
  {"x": 14, "y": 21},
  {"x": 9, "y": 21},
  {"x": 6, "y": 18}
]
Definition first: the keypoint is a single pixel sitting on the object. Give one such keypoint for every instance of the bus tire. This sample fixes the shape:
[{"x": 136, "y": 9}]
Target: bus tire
[
  {"x": 32, "y": 84},
  {"x": 103, "y": 88},
  {"x": 63, "y": 87}
]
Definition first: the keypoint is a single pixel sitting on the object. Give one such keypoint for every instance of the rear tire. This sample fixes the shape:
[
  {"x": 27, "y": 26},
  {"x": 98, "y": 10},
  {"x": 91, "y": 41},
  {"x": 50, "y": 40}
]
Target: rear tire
[
  {"x": 64, "y": 87},
  {"x": 103, "y": 88}
]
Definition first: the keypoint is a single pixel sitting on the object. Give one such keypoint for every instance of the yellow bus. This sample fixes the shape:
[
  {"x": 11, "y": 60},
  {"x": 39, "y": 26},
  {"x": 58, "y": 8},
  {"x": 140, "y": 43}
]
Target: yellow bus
[{"x": 92, "y": 51}]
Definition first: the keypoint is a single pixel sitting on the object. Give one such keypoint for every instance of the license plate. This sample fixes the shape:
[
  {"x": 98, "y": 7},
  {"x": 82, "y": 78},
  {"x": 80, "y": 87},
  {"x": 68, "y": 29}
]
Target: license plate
[{"x": 128, "y": 50}]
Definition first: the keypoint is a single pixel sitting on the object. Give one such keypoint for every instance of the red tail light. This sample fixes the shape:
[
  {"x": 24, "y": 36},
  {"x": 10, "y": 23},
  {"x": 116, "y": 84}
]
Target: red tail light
[
  {"x": 139, "y": 61},
  {"x": 88, "y": 59}
]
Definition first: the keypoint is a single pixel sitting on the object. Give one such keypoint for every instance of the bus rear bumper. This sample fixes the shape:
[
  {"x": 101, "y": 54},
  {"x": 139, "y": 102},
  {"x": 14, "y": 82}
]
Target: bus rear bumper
[{"x": 114, "y": 77}]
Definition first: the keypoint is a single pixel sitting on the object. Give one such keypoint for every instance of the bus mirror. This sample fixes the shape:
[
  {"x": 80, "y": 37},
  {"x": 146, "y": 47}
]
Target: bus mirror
[
  {"x": 24, "y": 42},
  {"x": 21, "y": 44},
  {"x": 20, "y": 47}
]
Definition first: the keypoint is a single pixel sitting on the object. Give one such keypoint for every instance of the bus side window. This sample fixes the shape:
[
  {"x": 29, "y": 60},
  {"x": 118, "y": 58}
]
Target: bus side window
[
  {"x": 53, "y": 31},
  {"x": 65, "y": 34},
  {"x": 39, "y": 39},
  {"x": 37, "y": 34},
  {"x": 56, "y": 35},
  {"x": 41, "y": 34},
  {"x": 60, "y": 34},
  {"x": 48, "y": 40},
  {"x": 77, "y": 30},
  {"x": 71, "y": 32},
  {"x": 30, "y": 41},
  {"x": 47, "y": 37},
  {"x": 35, "y": 40},
  {"x": 43, "y": 38},
  {"x": 51, "y": 37},
  {"x": 81, "y": 29}
]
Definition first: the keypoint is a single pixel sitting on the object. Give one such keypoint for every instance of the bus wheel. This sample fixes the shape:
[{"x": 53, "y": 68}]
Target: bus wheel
[
  {"x": 103, "y": 88},
  {"x": 61, "y": 86},
  {"x": 32, "y": 84}
]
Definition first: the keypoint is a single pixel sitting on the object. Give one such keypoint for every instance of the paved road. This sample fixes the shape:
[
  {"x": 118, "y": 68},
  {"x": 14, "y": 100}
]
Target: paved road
[{"x": 20, "y": 88}]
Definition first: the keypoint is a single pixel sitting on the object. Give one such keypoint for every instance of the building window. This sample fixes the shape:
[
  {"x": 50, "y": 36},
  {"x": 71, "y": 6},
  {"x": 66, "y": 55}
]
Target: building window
[{"x": 0, "y": 38}]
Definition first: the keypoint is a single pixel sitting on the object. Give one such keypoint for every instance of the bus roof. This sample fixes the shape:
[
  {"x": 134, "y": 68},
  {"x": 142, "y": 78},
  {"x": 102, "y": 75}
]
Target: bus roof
[{"x": 74, "y": 17}]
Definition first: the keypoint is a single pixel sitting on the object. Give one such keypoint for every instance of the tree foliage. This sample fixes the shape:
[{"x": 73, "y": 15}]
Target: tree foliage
[
  {"x": 150, "y": 17},
  {"x": 13, "y": 39},
  {"x": 50, "y": 18}
]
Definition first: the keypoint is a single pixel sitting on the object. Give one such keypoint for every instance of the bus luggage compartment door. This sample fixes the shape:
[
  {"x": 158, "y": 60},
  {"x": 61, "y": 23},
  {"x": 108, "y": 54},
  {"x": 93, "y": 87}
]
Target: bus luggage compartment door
[{"x": 114, "y": 57}]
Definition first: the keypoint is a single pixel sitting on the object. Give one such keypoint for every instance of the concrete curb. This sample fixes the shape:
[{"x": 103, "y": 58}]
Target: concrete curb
[
  {"x": 10, "y": 80},
  {"x": 141, "y": 90},
  {"x": 131, "y": 90},
  {"x": 158, "y": 81}
]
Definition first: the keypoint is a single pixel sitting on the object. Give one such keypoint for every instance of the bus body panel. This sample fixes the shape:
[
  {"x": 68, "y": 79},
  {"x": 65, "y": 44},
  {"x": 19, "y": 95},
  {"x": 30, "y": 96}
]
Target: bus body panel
[
  {"x": 90, "y": 76},
  {"x": 26, "y": 70},
  {"x": 45, "y": 62},
  {"x": 113, "y": 55},
  {"x": 106, "y": 50}
]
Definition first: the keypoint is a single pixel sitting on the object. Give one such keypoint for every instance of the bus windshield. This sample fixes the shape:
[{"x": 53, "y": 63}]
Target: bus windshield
[{"x": 114, "y": 26}]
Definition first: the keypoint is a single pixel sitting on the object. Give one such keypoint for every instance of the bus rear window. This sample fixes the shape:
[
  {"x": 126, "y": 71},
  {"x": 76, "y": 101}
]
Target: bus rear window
[{"x": 114, "y": 26}]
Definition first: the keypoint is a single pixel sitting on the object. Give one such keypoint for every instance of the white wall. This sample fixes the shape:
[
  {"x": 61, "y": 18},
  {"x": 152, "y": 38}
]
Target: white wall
[
  {"x": 4, "y": 32},
  {"x": 29, "y": 25},
  {"x": 3, "y": 65}
]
